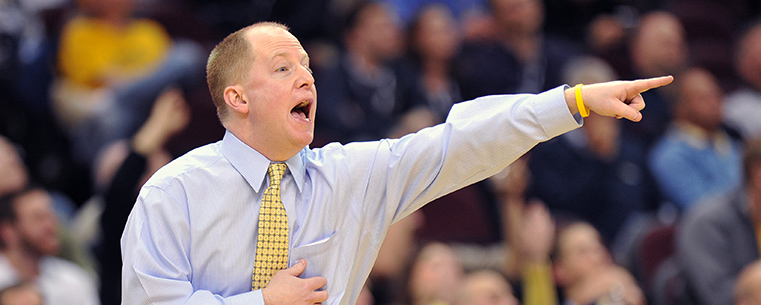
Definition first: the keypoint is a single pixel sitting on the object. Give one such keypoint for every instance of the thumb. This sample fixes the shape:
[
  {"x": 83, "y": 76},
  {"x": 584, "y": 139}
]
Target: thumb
[{"x": 298, "y": 268}]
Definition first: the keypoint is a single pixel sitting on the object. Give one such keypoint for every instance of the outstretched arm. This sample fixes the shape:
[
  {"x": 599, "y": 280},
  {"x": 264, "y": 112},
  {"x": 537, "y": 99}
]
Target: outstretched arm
[{"x": 619, "y": 99}]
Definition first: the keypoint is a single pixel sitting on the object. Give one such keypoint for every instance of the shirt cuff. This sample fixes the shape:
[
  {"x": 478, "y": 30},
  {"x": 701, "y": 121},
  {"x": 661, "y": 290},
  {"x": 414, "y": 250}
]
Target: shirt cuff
[
  {"x": 248, "y": 298},
  {"x": 553, "y": 113}
]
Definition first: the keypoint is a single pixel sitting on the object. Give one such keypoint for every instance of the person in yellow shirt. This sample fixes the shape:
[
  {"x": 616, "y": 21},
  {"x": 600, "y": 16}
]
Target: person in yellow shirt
[{"x": 111, "y": 67}]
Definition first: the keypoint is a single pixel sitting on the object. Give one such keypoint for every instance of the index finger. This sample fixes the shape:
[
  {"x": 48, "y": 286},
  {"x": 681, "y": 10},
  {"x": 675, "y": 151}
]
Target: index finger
[{"x": 642, "y": 85}]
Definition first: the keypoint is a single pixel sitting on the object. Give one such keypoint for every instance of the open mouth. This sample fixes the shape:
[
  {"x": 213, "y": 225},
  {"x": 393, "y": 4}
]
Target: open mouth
[{"x": 302, "y": 111}]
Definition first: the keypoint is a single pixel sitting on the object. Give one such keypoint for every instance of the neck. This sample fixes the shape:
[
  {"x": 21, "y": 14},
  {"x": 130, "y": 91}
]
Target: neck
[
  {"x": 267, "y": 148},
  {"x": 26, "y": 264}
]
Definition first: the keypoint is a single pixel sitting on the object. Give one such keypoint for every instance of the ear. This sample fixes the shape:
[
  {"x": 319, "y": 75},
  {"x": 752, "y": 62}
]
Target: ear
[
  {"x": 8, "y": 234},
  {"x": 235, "y": 99}
]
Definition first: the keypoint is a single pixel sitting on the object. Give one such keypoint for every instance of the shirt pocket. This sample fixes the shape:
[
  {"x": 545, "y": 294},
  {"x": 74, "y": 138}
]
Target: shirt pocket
[{"x": 316, "y": 255}]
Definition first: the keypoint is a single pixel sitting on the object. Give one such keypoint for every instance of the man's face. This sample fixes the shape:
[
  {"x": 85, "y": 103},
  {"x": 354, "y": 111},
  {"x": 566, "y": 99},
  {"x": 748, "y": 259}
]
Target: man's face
[
  {"x": 581, "y": 253},
  {"x": 36, "y": 224},
  {"x": 381, "y": 31},
  {"x": 523, "y": 16},
  {"x": 703, "y": 99},
  {"x": 280, "y": 93}
]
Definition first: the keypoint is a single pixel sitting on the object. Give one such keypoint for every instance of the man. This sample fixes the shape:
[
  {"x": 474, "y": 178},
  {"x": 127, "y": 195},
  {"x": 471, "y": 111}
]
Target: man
[
  {"x": 364, "y": 95},
  {"x": 744, "y": 105},
  {"x": 28, "y": 241},
  {"x": 520, "y": 58},
  {"x": 708, "y": 231},
  {"x": 658, "y": 47},
  {"x": 192, "y": 237},
  {"x": 696, "y": 158},
  {"x": 586, "y": 272}
]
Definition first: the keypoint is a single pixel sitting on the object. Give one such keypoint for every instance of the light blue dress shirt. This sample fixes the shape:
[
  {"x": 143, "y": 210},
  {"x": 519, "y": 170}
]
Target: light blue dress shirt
[{"x": 191, "y": 237}]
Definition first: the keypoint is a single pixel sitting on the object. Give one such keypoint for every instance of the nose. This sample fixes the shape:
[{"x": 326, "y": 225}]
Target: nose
[{"x": 306, "y": 79}]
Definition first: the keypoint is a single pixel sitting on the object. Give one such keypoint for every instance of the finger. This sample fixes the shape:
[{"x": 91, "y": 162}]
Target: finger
[
  {"x": 642, "y": 85},
  {"x": 320, "y": 296},
  {"x": 316, "y": 282},
  {"x": 297, "y": 269},
  {"x": 638, "y": 103}
]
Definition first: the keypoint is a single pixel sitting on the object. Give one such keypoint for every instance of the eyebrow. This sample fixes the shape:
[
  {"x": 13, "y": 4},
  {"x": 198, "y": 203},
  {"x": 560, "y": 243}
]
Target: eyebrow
[{"x": 304, "y": 55}]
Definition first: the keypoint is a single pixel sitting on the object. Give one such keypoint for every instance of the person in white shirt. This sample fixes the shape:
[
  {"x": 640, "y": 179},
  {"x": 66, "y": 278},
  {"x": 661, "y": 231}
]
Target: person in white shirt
[
  {"x": 192, "y": 236},
  {"x": 28, "y": 241}
]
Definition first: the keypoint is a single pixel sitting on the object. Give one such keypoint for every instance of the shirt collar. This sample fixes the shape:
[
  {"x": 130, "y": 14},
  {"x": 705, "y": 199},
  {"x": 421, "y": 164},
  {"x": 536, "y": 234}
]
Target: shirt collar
[
  {"x": 701, "y": 139},
  {"x": 252, "y": 165}
]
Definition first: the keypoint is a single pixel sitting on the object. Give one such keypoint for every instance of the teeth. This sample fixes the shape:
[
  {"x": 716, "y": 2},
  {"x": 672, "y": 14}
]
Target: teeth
[{"x": 303, "y": 104}]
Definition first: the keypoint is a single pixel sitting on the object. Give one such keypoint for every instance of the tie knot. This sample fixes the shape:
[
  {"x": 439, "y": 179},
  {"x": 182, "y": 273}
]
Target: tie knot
[{"x": 276, "y": 172}]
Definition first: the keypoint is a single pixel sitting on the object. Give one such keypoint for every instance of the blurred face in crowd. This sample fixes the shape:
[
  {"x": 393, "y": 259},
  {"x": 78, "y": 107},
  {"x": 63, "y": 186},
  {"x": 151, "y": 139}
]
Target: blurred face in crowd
[
  {"x": 659, "y": 47},
  {"x": 749, "y": 58},
  {"x": 35, "y": 230},
  {"x": 12, "y": 170},
  {"x": 279, "y": 99},
  {"x": 436, "y": 274},
  {"x": 436, "y": 35},
  {"x": 485, "y": 288},
  {"x": 700, "y": 99},
  {"x": 378, "y": 30},
  {"x": 21, "y": 295},
  {"x": 580, "y": 254},
  {"x": 519, "y": 16},
  {"x": 746, "y": 291}
]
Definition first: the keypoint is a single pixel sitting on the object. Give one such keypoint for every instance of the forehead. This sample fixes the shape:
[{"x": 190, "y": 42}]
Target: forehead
[
  {"x": 577, "y": 235},
  {"x": 269, "y": 42},
  {"x": 31, "y": 202}
]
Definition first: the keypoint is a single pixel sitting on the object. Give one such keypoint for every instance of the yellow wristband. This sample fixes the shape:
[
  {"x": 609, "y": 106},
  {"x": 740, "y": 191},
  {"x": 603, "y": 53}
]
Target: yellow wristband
[{"x": 583, "y": 110}]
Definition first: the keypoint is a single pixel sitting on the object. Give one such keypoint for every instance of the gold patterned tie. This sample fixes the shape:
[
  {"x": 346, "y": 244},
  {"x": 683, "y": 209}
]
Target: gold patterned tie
[{"x": 272, "y": 240}]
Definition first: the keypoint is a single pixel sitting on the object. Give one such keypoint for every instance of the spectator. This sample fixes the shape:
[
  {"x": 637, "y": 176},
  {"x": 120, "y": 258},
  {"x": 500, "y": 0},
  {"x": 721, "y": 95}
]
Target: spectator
[
  {"x": 435, "y": 276},
  {"x": 587, "y": 274},
  {"x": 696, "y": 157},
  {"x": 112, "y": 67},
  {"x": 529, "y": 232},
  {"x": 520, "y": 59},
  {"x": 16, "y": 178},
  {"x": 606, "y": 173},
  {"x": 746, "y": 286},
  {"x": 20, "y": 294},
  {"x": 719, "y": 238},
  {"x": 129, "y": 166},
  {"x": 29, "y": 241},
  {"x": 361, "y": 93},
  {"x": 434, "y": 41},
  {"x": 743, "y": 107},
  {"x": 658, "y": 45}
]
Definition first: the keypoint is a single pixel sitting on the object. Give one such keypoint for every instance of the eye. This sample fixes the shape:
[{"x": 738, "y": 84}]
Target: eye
[
  {"x": 282, "y": 69},
  {"x": 309, "y": 70}
]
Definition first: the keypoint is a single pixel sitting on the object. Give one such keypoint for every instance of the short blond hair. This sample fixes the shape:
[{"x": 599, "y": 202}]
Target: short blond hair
[{"x": 229, "y": 63}]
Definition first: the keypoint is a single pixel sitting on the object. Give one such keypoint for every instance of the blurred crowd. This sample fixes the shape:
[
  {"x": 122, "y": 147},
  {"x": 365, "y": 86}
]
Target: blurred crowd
[{"x": 95, "y": 95}]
